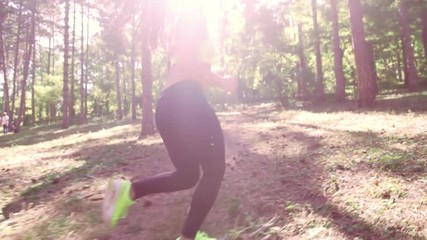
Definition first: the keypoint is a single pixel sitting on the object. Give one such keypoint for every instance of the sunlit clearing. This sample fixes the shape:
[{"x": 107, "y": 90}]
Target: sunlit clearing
[
  {"x": 229, "y": 113},
  {"x": 148, "y": 141}
]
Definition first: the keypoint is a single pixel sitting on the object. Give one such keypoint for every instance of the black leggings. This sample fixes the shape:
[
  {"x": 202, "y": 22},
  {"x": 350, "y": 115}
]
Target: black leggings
[{"x": 193, "y": 137}]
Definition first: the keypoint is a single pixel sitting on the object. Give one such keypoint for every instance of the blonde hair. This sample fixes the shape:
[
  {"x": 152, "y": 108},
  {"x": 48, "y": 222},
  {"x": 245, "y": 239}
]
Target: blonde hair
[
  {"x": 191, "y": 38},
  {"x": 190, "y": 30}
]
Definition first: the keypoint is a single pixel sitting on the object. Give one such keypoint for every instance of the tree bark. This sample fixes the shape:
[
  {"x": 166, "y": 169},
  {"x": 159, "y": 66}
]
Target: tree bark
[
  {"x": 338, "y": 55},
  {"x": 33, "y": 80},
  {"x": 372, "y": 62},
  {"x": 399, "y": 61},
  {"x": 133, "y": 56},
  {"x": 118, "y": 90},
  {"x": 365, "y": 71},
  {"x": 412, "y": 79},
  {"x": 52, "y": 111},
  {"x": 30, "y": 43},
  {"x": 49, "y": 55},
  {"x": 124, "y": 93},
  {"x": 16, "y": 61},
  {"x": 404, "y": 62},
  {"x": 65, "y": 93},
  {"x": 52, "y": 59},
  {"x": 72, "y": 75},
  {"x": 82, "y": 72},
  {"x": 87, "y": 56},
  {"x": 3, "y": 67},
  {"x": 40, "y": 105},
  {"x": 302, "y": 85},
  {"x": 147, "y": 94},
  {"x": 320, "y": 89}
]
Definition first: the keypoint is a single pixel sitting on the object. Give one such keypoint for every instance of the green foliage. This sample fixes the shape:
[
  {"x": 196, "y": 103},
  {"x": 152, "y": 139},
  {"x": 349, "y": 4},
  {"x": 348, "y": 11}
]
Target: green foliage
[
  {"x": 256, "y": 40},
  {"x": 49, "y": 90}
]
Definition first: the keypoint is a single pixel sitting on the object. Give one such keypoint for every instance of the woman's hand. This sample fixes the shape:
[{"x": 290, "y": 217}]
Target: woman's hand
[
  {"x": 229, "y": 83},
  {"x": 200, "y": 71}
]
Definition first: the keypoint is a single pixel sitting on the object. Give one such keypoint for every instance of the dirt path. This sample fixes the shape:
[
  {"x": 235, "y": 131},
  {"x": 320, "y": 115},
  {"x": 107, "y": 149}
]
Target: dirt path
[
  {"x": 290, "y": 175},
  {"x": 281, "y": 183}
]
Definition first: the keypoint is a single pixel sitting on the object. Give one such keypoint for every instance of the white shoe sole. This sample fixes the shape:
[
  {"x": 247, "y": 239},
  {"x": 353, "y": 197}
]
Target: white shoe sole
[{"x": 108, "y": 204}]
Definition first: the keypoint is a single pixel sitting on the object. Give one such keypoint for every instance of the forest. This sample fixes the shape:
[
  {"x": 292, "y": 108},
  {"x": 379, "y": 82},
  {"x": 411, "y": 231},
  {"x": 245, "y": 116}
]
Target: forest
[
  {"x": 78, "y": 60},
  {"x": 330, "y": 114}
]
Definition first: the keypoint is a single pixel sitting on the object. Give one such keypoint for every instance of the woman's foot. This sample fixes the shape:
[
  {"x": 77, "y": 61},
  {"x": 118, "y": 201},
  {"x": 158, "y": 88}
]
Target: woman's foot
[{"x": 116, "y": 202}]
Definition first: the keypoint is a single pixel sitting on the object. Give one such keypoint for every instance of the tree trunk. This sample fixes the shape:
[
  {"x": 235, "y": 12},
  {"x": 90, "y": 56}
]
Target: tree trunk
[
  {"x": 65, "y": 93},
  {"x": 118, "y": 90},
  {"x": 407, "y": 48},
  {"x": 398, "y": 60},
  {"x": 49, "y": 55},
  {"x": 41, "y": 105},
  {"x": 320, "y": 89},
  {"x": 133, "y": 56},
  {"x": 124, "y": 93},
  {"x": 30, "y": 43},
  {"x": 72, "y": 75},
  {"x": 423, "y": 16},
  {"x": 147, "y": 94},
  {"x": 33, "y": 81},
  {"x": 82, "y": 72},
  {"x": 338, "y": 55},
  {"x": 52, "y": 111},
  {"x": 16, "y": 61},
  {"x": 365, "y": 71},
  {"x": 404, "y": 62},
  {"x": 302, "y": 85},
  {"x": 87, "y": 56},
  {"x": 3, "y": 67},
  {"x": 52, "y": 59},
  {"x": 372, "y": 61}
]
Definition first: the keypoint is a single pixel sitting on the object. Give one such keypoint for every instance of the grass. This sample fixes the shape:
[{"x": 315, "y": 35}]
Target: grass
[
  {"x": 50, "y": 230},
  {"x": 72, "y": 217},
  {"x": 322, "y": 172},
  {"x": 61, "y": 225},
  {"x": 387, "y": 190}
]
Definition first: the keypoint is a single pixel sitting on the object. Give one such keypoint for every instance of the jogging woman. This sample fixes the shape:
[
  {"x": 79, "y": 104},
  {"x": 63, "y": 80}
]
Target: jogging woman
[{"x": 189, "y": 129}]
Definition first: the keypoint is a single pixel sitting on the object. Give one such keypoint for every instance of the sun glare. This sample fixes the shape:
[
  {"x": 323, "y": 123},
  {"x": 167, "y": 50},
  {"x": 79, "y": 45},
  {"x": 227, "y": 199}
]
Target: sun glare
[{"x": 211, "y": 10}]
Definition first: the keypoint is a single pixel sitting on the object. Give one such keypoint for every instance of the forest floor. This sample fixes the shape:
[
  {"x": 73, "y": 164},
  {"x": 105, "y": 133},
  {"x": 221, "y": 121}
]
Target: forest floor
[{"x": 322, "y": 172}]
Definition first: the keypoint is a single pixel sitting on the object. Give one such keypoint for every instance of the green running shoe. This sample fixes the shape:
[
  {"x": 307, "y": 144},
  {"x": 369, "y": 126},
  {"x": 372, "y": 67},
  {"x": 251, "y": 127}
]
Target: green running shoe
[
  {"x": 116, "y": 201},
  {"x": 201, "y": 236}
]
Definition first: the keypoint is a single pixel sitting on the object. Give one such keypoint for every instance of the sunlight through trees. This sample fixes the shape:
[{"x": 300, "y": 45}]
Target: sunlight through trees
[{"x": 113, "y": 56}]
